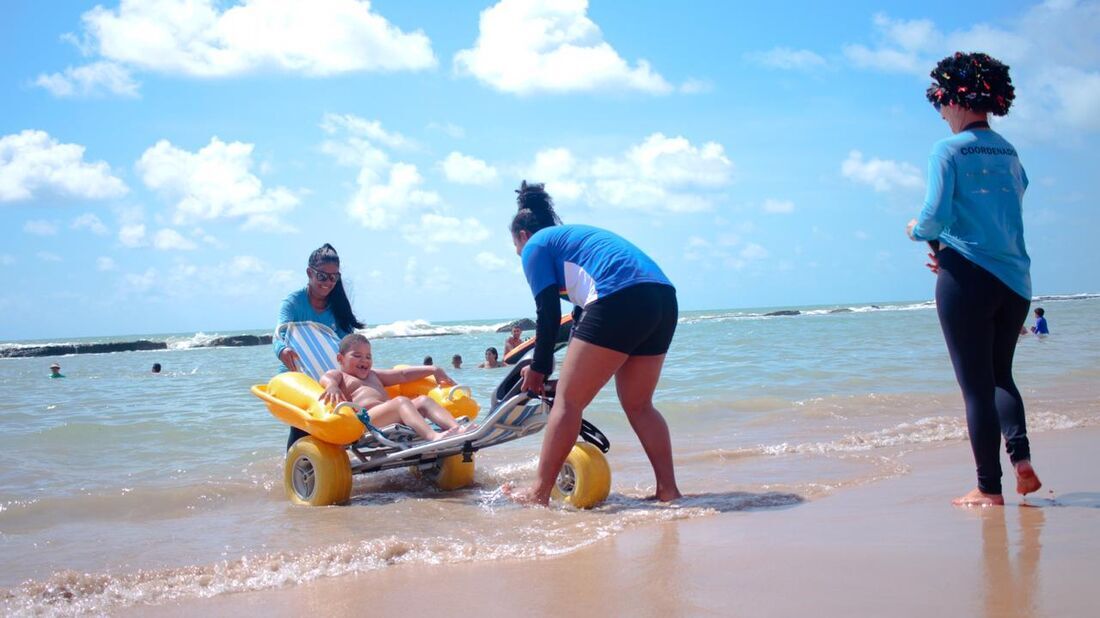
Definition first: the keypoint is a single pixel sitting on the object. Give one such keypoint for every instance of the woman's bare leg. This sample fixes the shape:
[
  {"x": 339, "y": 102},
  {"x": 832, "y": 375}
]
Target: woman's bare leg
[
  {"x": 635, "y": 382},
  {"x": 586, "y": 369},
  {"x": 402, "y": 409}
]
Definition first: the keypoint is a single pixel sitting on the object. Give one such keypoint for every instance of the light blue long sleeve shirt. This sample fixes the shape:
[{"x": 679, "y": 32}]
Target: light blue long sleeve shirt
[
  {"x": 296, "y": 308},
  {"x": 974, "y": 205}
]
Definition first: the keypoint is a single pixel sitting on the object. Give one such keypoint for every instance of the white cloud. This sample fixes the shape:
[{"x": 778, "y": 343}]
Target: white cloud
[
  {"x": 33, "y": 162},
  {"x": 723, "y": 251},
  {"x": 467, "y": 170},
  {"x": 881, "y": 174},
  {"x": 90, "y": 80},
  {"x": 434, "y": 230},
  {"x": 360, "y": 127},
  {"x": 168, "y": 239},
  {"x": 47, "y": 256},
  {"x": 1052, "y": 48},
  {"x": 488, "y": 261},
  {"x": 141, "y": 282},
  {"x": 207, "y": 38},
  {"x": 436, "y": 279},
  {"x": 215, "y": 183},
  {"x": 787, "y": 59},
  {"x": 387, "y": 192},
  {"x": 660, "y": 173},
  {"x": 132, "y": 235},
  {"x": 90, "y": 222},
  {"x": 696, "y": 86},
  {"x": 40, "y": 227},
  {"x": 448, "y": 129},
  {"x": 778, "y": 206},
  {"x": 104, "y": 263},
  {"x": 528, "y": 46},
  {"x": 753, "y": 251}
]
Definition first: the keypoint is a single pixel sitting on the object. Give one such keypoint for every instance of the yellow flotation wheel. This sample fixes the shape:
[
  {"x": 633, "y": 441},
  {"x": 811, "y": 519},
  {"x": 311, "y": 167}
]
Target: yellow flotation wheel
[
  {"x": 449, "y": 473},
  {"x": 585, "y": 478},
  {"x": 317, "y": 473}
]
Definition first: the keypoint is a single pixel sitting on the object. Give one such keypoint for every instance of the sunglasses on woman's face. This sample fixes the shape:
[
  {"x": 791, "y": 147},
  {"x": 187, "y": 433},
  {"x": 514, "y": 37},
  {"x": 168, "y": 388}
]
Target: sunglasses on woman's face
[{"x": 321, "y": 276}]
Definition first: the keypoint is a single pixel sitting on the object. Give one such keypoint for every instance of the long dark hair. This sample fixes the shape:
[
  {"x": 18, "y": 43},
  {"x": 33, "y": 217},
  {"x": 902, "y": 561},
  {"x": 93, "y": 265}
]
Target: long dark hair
[
  {"x": 536, "y": 209},
  {"x": 337, "y": 298}
]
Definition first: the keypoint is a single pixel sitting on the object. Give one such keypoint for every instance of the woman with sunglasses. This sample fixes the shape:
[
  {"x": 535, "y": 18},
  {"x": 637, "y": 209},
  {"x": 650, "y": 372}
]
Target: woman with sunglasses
[
  {"x": 627, "y": 320},
  {"x": 324, "y": 301},
  {"x": 972, "y": 219}
]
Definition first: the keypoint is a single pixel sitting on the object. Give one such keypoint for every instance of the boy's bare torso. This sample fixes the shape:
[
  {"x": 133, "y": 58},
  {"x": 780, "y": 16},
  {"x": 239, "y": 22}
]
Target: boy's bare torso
[{"x": 365, "y": 392}]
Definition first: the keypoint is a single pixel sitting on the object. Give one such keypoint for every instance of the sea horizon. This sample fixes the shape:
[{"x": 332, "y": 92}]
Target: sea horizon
[{"x": 221, "y": 332}]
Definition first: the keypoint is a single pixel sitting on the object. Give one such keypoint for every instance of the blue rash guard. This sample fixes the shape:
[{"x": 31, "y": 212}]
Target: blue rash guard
[
  {"x": 296, "y": 308},
  {"x": 974, "y": 205},
  {"x": 1041, "y": 327},
  {"x": 586, "y": 263}
]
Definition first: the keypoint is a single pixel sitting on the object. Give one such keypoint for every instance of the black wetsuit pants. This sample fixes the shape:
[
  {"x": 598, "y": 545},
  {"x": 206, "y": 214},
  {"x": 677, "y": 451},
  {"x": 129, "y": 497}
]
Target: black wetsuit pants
[
  {"x": 981, "y": 319},
  {"x": 295, "y": 433}
]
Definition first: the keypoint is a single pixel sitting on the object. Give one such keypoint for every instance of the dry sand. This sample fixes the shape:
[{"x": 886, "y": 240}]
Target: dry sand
[{"x": 891, "y": 548}]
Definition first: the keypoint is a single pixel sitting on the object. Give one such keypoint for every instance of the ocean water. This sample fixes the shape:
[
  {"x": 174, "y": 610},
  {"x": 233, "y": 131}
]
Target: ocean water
[{"x": 120, "y": 488}]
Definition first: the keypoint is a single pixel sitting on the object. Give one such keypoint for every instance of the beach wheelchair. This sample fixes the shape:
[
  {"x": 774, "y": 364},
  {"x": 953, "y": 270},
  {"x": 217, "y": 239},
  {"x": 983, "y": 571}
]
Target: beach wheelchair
[{"x": 342, "y": 442}]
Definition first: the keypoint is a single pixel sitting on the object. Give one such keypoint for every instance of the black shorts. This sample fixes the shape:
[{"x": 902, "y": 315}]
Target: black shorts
[{"x": 639, "y": 320}]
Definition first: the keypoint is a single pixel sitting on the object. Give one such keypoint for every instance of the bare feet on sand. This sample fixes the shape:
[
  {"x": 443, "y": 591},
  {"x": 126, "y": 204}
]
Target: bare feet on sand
[
  {"x": 1026, "y": 479},
  {"x": 977, "y": 498},
  {"x": 665, "y": 496}
]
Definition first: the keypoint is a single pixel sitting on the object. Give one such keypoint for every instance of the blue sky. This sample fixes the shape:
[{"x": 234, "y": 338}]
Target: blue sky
[{"x": 167, "y": 166}]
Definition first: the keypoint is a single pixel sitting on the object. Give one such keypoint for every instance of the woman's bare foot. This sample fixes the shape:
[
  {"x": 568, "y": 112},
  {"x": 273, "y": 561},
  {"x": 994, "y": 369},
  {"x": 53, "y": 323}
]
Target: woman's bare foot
[
  {"x": 525, "y": 497},
  {"x": 667, "y": 496},
  {"x": 1026, "y": 479},
  {"x": 977, "y": 498}
]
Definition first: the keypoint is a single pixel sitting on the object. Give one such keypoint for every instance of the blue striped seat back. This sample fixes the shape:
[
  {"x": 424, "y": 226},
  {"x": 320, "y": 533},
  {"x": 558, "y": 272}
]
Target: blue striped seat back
[{"x": 316, "y": 345}]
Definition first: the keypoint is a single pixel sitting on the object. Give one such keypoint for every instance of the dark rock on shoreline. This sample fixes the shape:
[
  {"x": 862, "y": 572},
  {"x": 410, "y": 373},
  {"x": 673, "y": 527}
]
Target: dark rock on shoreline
[
  {"x": 841, "y": 310},
  {"x": 81, "y": 348},
  {"x": 783, "y": 312},
  {"x": 522, "y": 323},
  {"x": 238, "y": 341}
]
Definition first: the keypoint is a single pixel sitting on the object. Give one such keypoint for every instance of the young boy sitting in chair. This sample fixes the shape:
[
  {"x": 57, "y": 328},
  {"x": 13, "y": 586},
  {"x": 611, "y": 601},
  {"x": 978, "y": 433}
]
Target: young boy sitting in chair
[{"x": 358, "y": 383}]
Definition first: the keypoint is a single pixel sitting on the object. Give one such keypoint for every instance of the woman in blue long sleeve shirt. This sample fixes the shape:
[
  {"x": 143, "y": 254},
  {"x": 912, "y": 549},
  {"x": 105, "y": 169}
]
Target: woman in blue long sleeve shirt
[
  {"x": 972, "y": 219},
  {"x": 324, "y": 301}
]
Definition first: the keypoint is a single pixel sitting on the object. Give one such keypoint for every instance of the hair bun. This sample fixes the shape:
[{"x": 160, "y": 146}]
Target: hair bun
[{"x": 531, "y": 195}]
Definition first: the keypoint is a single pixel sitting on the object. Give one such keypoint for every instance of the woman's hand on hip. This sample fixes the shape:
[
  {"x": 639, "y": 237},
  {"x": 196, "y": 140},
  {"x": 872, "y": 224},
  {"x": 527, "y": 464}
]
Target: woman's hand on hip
[{"x": 933, "y": 264}]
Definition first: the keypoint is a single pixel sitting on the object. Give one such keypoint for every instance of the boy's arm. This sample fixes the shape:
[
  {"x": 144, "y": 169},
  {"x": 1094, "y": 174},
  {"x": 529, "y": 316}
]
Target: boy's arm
[
  {"x": 333, "y": 383},
  {"x": 390, "y": 377}
]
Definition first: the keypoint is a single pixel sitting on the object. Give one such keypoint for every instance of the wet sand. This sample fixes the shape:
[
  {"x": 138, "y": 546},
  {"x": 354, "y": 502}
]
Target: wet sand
[{"x": 895, "y": 547}]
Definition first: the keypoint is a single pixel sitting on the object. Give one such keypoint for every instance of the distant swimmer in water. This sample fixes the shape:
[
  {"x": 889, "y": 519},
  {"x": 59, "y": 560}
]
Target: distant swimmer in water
[
  {"x": 428, "y": 360},
  {"x": 456, "y": 361},
  {"x": 156, "y": 367},
  {"x": 983, "y": 282},
  {"x": 55, "y": 371},
  {"x": 1040, "y": 327},
  {"x": 514, "y": 340},
  {"x": 491, "y": 359},
  {"x": 358, "y": 382}
]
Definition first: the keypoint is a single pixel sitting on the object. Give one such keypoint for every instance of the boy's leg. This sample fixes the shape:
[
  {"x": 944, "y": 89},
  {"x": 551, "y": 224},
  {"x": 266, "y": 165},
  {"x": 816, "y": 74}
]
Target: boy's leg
[
  {"x": 403, "y": 410},
  {"x": 434, "y": 412}
]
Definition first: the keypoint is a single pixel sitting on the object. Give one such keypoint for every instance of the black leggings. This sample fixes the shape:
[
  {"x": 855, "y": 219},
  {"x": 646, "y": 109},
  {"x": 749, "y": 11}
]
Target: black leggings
[{"x": 981, "y": 319}]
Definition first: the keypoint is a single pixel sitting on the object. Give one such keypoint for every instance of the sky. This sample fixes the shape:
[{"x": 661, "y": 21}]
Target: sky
[{"x": 168, "y": 165}]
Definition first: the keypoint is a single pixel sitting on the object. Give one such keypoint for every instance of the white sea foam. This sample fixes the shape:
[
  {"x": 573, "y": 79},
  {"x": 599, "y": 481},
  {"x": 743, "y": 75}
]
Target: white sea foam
[
  {"x": 424, "y": 328},
  {"x": 198, "y": 340}
]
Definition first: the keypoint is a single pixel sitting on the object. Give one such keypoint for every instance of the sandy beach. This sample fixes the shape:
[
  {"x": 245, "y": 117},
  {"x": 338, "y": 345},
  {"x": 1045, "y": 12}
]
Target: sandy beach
[{"x": 895, "y": 547}]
